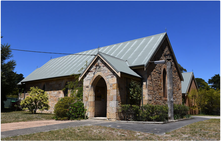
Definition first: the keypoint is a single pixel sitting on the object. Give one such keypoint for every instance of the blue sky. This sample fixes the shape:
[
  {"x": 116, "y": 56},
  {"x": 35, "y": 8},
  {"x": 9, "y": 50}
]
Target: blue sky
[{"x": 71, "y": 27}]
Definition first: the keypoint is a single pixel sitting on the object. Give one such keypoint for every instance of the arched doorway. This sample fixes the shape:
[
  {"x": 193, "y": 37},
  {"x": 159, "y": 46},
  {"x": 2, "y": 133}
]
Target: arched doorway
[{"x": 100, "y": 91}]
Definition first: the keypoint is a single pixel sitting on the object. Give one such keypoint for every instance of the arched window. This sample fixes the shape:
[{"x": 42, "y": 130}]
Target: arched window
[{"x": 164, "y": 83}]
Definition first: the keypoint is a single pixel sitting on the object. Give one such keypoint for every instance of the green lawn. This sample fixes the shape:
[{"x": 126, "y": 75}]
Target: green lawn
[
  {"x": 18, "y": 116},
  {"x": 203, "y": 130}
]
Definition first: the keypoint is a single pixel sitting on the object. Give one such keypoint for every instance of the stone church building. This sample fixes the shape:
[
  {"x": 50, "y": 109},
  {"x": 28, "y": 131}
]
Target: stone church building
[{"x": 108, "y": 72}]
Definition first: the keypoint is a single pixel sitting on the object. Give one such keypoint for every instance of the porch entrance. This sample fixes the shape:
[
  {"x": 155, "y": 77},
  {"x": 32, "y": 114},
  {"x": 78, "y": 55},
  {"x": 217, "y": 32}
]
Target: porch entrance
[{"x": 101, "y": 98}]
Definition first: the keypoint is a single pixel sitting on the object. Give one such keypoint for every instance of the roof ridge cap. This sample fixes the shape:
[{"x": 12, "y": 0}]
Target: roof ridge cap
[
  {"x": 113, "y": 56},
  {"x": 134, "y": 39}
]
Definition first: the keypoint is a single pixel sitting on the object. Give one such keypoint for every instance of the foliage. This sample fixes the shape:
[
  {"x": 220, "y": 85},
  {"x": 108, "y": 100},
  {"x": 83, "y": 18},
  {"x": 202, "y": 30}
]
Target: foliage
[
  {"x": 37, "y": 99},
  {"x": 181, "y": 68},
  {"x": 201, "y": 84},
  {"x": 135, "y": 91},
  {"x": 76, "y": 111},
  {"x": 60, "y": 109},
  {"x": 12, "y": 96},
  {"x": 9, "y": 78},
  {"x": 130, "y": 112},
  {"x": 151, "y": 112},
  {"x": 180, "y": 111},
  {"x": 154, "y": 112},
  {"x": 193, "y": 99},
  {"x": 76, "y": 86},
  {"x": 211, "y": 99},
  {"x": 206, "y": 100},
  {"x": 215, "y": 82}
]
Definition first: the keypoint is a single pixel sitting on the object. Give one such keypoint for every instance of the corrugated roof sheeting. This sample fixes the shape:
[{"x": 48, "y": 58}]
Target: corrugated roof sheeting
[
  {"x": 186, "y": 82},
  {"x": 119, "y": 65},
  {"x": 137, "y": 52}
]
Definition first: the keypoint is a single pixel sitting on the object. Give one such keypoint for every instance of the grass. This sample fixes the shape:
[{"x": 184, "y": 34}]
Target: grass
[
  {"x": 203, "y": 130},
  {"x": 18, "y": 116}
]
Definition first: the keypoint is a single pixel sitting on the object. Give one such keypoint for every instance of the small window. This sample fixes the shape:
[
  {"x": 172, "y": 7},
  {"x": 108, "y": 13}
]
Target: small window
[
  {"x": 65, "y": 91},
  {"x": 43, "y": 87},
  {"x": 164, "y": 83}
]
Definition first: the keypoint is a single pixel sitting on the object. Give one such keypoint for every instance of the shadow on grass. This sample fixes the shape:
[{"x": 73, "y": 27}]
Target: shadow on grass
[
  {"x": 8, "y": 110},
  {"x": 26, "y": 112}
]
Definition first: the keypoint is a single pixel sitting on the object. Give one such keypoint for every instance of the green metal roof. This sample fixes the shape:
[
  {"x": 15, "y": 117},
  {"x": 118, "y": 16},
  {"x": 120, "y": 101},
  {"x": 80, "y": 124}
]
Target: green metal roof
[
  {"x": 187, "y": 81},
  {"x": 136, "y": 53},
  {"x": 119, "y": 65}
]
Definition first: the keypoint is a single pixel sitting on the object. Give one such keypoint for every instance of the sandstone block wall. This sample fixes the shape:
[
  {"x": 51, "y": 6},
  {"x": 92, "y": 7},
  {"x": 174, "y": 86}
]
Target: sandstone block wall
[
  {"x": 53, "y": 87},
  {"x": 155, "y": 79},
  {"x": 100, "y": 69},
  {"x": 152, "y": 79}
]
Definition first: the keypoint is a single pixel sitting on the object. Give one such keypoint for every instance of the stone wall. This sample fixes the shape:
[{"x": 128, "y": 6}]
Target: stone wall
[
  {"x": 53, "y": 87},
  {"x": 97, "y": 70},
  {"x": 153, "y": 79}
]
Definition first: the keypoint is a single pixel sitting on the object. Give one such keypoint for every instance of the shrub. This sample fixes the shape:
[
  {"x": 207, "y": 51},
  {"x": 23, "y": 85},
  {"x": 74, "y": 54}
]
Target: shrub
[
  {"x": 148, "y": 113},
  {"x": 76, "y": 111},
  {"x": 60, "y": 109},
  {"x": 154, "y": 113},
  {"x": 37, "y": 99},
  {"x": 180, "y": 111},
  {"x": 130, "y": 112}
]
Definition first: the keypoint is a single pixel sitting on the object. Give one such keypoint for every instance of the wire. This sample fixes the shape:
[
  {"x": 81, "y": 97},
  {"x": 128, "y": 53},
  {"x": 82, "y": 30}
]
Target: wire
[{"x": 52, "y": 52}]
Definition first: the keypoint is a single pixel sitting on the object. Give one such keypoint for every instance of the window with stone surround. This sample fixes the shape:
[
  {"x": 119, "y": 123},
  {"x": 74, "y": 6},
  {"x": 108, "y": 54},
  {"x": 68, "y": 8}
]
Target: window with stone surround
[{"x": 164, "y": 84}]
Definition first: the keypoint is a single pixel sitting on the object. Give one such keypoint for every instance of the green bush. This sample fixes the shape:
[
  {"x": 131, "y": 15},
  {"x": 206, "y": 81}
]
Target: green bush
[
  {"x": 146, "y": 113},
  {"x": 130, "y": 112},
  {"x": 150, "y": 112},
  {"x": 60, "y": 109},
  {"x": 180, "y": 111},
  {"x": 37, "y": 99},
  {"x": 154, "y": 112},
  {"x": 76, "y": 111}
]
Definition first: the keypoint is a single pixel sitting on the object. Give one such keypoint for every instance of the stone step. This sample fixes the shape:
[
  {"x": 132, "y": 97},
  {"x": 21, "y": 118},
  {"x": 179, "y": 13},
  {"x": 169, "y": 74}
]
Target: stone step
[{"x": 100, "y": 118}]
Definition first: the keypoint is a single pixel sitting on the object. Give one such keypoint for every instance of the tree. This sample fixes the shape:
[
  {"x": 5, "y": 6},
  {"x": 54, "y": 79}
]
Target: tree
[
  {"x": 215, "y": 82},
  {"x": 37, "y": 99},
  {"x": 135, "y": 93},
  {"x": 210, "y": 101},
  {"x": 9, "y": 78},
  {"x": 202, "y": 84},
  {"x": 182, "y": 69},
  {"x": 207, "y": 99}
]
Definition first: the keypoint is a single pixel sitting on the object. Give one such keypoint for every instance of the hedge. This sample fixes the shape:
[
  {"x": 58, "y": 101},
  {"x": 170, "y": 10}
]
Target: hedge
[{"x": 150, "y": 112}]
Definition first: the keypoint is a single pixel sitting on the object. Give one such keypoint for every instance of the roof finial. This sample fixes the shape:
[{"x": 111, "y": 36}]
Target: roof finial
[{"x": 165, "y": 29}]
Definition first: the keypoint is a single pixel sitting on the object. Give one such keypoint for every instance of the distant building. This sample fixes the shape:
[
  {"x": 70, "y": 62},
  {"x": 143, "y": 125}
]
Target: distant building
[{"x": 189, "y": 84}]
